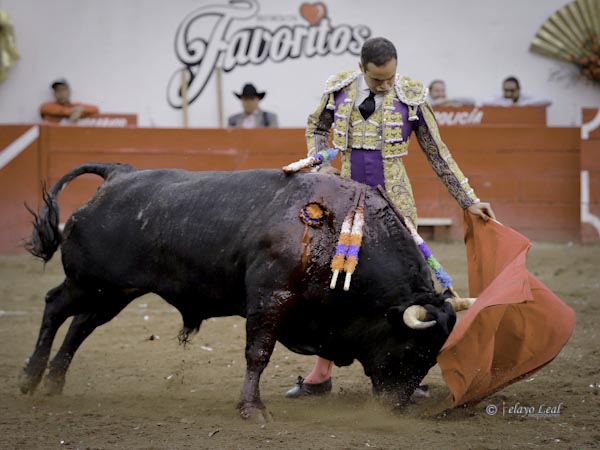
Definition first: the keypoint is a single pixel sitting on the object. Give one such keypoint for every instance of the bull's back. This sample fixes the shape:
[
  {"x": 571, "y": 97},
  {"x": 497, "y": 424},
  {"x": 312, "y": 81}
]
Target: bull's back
[{"x": 175, "y": 231}]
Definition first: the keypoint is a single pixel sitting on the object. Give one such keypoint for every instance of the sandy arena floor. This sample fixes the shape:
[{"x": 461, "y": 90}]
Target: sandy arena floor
[{"x": 125, "y": 391}]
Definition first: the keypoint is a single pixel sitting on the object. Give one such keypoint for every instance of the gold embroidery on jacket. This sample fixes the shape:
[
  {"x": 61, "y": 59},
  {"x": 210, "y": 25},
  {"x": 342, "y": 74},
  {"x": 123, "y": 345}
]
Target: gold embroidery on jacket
[{"x": 383, "y": 130}]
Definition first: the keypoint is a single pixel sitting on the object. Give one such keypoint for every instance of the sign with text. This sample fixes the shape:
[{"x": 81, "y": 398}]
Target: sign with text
[
  {"x": 490, "y": 115},
  {"x": 232, "y": 34},
  {"x": 114, "y": 120}
]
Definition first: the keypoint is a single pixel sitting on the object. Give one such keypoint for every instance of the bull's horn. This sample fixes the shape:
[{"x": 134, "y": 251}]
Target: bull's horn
[
  {"x": 413, "y": 318},
  {"x": 460, "y": 304}
]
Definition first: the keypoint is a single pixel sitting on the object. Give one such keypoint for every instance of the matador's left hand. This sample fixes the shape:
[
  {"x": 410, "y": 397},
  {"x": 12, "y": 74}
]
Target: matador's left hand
[{"x": 483, "y": 210}]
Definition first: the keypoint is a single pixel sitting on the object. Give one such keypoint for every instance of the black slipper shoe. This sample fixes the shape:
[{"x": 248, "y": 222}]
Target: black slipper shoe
[{"x": 303, "y": 389}]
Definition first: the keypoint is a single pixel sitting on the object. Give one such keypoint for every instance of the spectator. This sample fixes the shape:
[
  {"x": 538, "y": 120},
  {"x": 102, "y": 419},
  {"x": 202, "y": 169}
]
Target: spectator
[
  {"x": 62, "y": 109},
  {"x": 437, "y": 96},
  {"x": 253, "y": 116},
  {"x": 512, "y": 96}
]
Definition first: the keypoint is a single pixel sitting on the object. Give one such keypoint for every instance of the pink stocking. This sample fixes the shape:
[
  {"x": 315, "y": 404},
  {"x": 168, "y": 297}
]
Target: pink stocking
[{"x": 321, "y": 371}]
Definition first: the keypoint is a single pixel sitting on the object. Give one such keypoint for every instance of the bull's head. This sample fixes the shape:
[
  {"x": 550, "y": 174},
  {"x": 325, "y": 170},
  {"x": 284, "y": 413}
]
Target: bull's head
[
  {"x": 415, "y": 316},
  {"x": 418, "y": 332}
]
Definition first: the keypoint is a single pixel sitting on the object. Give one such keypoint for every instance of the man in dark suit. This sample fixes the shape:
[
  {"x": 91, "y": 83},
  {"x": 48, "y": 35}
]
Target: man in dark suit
[{"x": 253, "y": 116}]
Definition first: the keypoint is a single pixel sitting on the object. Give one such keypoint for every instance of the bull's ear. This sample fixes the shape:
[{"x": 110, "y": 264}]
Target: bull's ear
[
  {"x": 394, "y": 316},
  {"x": 447, "y": 293}
]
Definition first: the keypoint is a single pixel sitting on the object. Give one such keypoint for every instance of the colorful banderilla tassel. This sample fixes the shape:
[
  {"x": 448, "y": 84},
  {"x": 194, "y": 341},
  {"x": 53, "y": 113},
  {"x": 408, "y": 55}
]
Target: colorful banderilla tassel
[
  {"x": 353, "y": 249},
  {"x": 346, "y": 252},
  {"x": 337, "y": 263},
  {"x": 444, "y": 279},
  {"x": 315, "y": 160},
  {"x": 441, "y": 275}
]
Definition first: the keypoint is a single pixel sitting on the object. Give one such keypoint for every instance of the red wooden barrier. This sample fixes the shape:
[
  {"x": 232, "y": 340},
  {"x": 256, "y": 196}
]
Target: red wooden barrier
[
  {"x": 19, "y": 183},
  {"x": 529, "y": 173},
  {"x": 590, "y": 176}
]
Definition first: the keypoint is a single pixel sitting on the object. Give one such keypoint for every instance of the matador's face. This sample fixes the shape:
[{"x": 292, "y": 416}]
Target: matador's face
[{"x": 380, "y": 79}]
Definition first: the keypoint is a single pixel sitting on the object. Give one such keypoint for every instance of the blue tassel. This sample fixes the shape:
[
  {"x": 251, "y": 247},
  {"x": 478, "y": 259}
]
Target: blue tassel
[{"x": 444, "y": 279}]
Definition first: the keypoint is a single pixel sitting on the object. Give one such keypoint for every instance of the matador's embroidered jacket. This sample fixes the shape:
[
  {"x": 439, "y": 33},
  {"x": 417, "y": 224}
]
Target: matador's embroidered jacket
[{"x": 372, "y": 149}]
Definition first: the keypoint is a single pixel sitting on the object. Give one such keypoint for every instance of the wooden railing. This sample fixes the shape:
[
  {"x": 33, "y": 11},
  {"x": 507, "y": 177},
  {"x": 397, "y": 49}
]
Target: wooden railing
[{"x": 531, "y": 174}]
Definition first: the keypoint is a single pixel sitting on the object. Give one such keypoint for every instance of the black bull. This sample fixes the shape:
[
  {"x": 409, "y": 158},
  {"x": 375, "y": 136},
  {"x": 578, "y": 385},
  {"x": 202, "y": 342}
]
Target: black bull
[{"x": 230, "y": 243}]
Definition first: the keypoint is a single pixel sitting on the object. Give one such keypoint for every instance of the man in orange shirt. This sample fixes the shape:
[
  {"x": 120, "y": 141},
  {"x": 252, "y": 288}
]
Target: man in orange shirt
[{"x": 62, "y": 108}]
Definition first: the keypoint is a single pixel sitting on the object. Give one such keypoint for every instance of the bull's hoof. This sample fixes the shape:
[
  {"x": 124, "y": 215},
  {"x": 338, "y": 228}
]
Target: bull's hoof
[
  {"x": 255, "y": 414},
  {"x": 53, "y": 385},
  {"x": 27, "y": 383}
]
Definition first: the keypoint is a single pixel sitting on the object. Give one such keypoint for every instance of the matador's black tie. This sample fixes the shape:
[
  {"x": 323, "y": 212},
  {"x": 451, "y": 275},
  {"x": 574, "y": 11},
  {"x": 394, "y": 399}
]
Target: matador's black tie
[{"x": 367, "y": 107}]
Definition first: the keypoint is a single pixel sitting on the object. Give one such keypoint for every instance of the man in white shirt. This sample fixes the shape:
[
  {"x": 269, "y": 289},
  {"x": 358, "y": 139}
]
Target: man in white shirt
[
  {"x": 512, "y": 96},
  {"x": 253, "y": 116}
]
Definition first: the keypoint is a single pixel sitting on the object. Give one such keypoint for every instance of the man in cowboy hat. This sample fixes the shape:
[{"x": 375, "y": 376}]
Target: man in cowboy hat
[{"x": 253, "y": 116}]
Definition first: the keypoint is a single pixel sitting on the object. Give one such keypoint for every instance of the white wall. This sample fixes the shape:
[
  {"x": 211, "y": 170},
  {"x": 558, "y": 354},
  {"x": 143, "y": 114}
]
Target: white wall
[{"x": 120, "y": 55}]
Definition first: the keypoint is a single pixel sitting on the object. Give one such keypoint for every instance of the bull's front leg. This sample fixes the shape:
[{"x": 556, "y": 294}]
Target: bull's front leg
[{"x": 261, "y": 331}]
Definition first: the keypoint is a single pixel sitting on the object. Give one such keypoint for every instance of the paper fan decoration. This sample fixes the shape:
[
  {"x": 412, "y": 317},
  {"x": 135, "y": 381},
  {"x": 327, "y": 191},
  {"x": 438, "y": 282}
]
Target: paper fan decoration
[
  {"x": 573, "y": 34},
  {"x": 8, "y": 51}
]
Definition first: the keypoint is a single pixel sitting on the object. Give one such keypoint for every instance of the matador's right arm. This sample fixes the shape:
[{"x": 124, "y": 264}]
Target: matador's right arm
[{"x": 319, "y": 126}]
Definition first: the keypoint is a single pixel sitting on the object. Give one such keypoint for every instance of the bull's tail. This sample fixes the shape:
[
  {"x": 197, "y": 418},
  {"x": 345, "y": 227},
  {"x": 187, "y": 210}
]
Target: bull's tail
[{"x": 46, "y": 236}]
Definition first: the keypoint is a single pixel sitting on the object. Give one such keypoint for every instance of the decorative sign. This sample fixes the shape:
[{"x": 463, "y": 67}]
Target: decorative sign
[
  {"x": 455, "y": 116},
  {"x": 490, "y": 115},
  {"x": 104, "y": 120},
  {"x": 215, "y": 36}
]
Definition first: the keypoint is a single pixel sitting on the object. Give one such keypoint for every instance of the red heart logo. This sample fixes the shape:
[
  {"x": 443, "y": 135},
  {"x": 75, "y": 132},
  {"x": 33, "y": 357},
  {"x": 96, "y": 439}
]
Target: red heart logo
[{"x": 313, "y": 12}]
